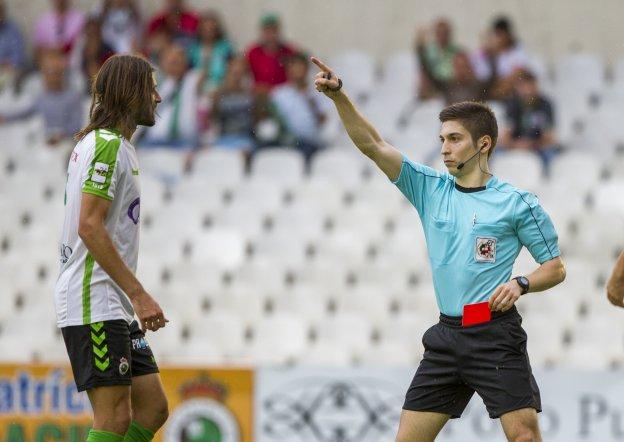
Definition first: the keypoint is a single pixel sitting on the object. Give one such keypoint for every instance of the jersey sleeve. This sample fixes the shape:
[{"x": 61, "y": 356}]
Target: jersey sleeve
[
  {"x": 104, "y": 168},
  {"x": 417, "y": 182},
  {"x": 535, "y": 229}
]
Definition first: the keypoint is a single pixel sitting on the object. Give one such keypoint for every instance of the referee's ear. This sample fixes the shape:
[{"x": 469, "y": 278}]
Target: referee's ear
[{"x": 484, "y": 144}]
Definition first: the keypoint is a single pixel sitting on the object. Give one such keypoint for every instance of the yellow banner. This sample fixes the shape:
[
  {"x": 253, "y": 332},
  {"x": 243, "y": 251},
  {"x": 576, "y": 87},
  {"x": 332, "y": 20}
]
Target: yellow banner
[{"x": 40, "y": 403}]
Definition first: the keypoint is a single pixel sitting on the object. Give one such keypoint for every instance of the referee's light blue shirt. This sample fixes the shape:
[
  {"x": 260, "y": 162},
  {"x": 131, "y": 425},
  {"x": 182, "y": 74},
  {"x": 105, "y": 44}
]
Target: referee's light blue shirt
[{"x": 474, "y": 235}]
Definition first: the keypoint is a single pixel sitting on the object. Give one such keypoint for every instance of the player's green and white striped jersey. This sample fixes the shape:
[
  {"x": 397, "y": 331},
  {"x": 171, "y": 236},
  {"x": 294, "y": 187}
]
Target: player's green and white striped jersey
[{"x": 105, "y": 164}]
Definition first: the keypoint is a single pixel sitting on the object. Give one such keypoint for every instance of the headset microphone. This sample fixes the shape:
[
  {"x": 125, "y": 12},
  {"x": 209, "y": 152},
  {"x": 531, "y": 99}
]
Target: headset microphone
[{"x": 463, "y": 163}]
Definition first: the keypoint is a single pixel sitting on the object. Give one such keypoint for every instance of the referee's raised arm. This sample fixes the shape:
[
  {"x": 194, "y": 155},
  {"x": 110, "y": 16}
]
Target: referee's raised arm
[{"x": 363, "y": 134}]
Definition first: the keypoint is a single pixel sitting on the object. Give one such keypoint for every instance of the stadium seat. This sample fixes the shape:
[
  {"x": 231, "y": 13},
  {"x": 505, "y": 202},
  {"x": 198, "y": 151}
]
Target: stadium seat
[
  {"x": 309, "y": 222},
  {"x": 223, "y": 328},
  {"x": 325, "y": 355},
  {"x": 164, "y": 163},
  {"x": 284, "y": 166},
  {"x": 303, "y": 301},
  {"x": 607, "y": 197},
  {"x": 357, "y": 69},
  {"x": 218, "y": 166},
  {"x": 343, "y": 166},
  {"x": 583, "y": 73},
  {"x": 349, "y": 330},
  {"x": 400, "y": 75},
  {"x": 545, "y": 339},
  {"x": 390, "y": 354},
  {"x": 372, "y": 304},
  {"x": 278, "y": 339},
  {"x": 260, "y": 195},
  {"x": 224, "y": 248},
  {"x": 520, "y": 169}
]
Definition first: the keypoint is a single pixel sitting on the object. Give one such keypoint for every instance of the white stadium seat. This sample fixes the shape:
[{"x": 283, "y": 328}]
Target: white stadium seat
[
  {"x": 283, "y": 166},
  {"x": 520, "y": 169},
  {"x": 219, "y": 166},
  {"x": 164, "y": 163}
]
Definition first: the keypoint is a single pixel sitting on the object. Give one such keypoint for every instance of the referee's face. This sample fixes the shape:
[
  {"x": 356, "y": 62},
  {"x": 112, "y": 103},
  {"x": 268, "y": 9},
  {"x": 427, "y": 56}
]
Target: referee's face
[{"x": 457, "y": 147}]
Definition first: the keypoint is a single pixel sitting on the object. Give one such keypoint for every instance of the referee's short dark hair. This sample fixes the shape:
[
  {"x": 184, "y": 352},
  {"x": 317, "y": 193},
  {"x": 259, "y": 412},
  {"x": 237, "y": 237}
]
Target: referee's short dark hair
[{"x": 478, "y": 119}]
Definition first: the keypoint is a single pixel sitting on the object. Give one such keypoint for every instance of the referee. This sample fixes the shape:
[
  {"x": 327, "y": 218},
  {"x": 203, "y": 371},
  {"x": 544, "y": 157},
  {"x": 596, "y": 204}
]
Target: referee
[{"x": 475, "y": 226}]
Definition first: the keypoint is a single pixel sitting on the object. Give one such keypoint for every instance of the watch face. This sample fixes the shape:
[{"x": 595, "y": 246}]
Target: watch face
[{"x": 524, "y": 282}]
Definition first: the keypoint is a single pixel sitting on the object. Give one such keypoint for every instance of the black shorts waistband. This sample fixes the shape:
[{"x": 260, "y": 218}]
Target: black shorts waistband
[{"x": 456, "y": 321}]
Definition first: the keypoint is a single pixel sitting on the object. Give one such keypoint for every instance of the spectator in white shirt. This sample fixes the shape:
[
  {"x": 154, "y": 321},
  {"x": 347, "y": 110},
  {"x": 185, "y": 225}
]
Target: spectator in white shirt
[
  {"x": 299, "y": 109},
  {"x": 510, "y": 57},
  {"x": 176, "y": 125}
]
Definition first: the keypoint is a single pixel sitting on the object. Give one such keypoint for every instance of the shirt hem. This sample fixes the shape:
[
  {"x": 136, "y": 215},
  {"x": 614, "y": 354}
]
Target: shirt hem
[{"x": 74, "y": 322}]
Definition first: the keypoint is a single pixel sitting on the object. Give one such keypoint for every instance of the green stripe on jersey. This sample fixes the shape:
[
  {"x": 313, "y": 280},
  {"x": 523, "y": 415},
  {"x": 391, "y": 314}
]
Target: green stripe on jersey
[
  {"x": 86, "y": 289},
  {"x": 102, "y": 167}
]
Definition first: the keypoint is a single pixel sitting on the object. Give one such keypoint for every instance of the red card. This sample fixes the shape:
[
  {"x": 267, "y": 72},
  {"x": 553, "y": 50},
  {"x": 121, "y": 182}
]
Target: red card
[{"x": 476, "y": 314}]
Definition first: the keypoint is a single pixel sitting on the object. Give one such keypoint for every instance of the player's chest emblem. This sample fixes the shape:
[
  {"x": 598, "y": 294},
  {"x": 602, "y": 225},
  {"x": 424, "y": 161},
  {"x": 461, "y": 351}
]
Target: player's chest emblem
[{"x": 485, "y": 249}]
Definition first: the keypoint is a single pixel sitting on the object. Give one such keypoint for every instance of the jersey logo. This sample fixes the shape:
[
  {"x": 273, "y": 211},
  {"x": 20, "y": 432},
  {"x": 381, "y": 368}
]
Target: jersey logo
[
  {"x": 485, "y": 249},
  {"x": 99, "y": 172}
]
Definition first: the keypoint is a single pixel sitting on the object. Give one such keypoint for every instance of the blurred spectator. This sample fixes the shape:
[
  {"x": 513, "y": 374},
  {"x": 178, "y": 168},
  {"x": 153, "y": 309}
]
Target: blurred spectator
[
  {"x": 90, "y": 52},
  {"x": 463, "y": 84},
  {"x": 59, "y": 29},
  {"x": 177, "y": 21},
  {"x": 156, "y": 44},
  {"x": 60, "y": 107},
  {"x": 300, "y": 109},
  {"x": 211, "y": 52},
  {"x": 235, "y": 110},
  {"x": 120, "y": 25},
  {"x": 266, "y": 58},
  {"x": 439, "y": 55},
  {"x": 530, "y": 119},
  {"x": 502, "y": 44},
  {"x": 176, "y": 125},
  {"x": 12, "y": 50}
]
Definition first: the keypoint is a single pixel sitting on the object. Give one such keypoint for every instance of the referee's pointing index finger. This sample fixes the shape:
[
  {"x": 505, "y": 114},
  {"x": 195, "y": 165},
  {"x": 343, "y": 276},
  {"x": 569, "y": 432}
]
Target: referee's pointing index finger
[{"x": 320, "y": 64}]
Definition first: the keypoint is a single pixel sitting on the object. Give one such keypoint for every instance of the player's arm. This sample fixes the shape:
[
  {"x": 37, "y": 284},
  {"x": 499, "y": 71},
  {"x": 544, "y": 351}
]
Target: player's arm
[
  {"x": 615, "y": 285},
  {"x": 92, "y": 231},
  {"x": 363, "y": 134}
]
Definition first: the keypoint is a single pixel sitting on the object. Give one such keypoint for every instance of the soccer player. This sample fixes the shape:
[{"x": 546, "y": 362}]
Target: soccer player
[
  {"x": 475, "y": 226},
  {"x": 97, "y": 294},
  {"x": 615, "y": 285}
]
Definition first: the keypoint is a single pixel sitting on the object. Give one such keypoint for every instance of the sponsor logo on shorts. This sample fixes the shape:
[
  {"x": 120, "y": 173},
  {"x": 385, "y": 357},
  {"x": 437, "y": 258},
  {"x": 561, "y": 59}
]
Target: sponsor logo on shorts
[
  {"x": 99, "y": 172},
  {"x": 485, "y": 249},
  {"x": 124, "y": 366},
  {"x": 140, "y": 344}
]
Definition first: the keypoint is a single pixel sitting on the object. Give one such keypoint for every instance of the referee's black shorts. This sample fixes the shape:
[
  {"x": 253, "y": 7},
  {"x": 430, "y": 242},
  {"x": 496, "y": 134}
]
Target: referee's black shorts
[{"x": 489, "y": 358}]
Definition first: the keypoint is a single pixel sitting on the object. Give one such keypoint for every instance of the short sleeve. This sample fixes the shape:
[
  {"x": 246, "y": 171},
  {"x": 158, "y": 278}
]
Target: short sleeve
[
  {"x": 535, "y": 229},
  {"x": 417, "y": 183},
  {"x": 103, "y": 171}
]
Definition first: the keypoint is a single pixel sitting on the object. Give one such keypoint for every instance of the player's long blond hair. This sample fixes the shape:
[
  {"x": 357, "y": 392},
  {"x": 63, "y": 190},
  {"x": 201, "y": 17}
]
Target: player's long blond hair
[{"x": 120, "y": 90}]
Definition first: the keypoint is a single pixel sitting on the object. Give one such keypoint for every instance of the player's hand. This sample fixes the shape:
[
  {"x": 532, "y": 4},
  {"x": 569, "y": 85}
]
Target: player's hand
[
  {"x": 615, "y": 295},
  {"x": 325, "y": 81},
  {"x": 505, "y": 296},
  {"x": 149, "y": 312}
]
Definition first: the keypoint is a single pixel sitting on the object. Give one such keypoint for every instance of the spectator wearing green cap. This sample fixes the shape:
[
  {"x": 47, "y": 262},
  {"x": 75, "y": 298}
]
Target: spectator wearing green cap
[{"x": 267, "y": 57}]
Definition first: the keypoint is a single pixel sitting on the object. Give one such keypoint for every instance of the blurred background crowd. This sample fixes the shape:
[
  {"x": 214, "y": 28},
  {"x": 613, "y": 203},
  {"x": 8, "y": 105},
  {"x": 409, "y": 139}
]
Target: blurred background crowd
[{"x": 253, "y": 97}]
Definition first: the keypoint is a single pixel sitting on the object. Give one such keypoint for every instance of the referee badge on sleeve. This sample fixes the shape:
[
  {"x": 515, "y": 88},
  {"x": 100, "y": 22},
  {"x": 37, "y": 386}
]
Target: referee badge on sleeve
[{"x": 485, "y": 249}]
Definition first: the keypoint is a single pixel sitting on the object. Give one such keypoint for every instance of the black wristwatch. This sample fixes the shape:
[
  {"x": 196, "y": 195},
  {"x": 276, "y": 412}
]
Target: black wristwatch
[{"x": 523, "y": 282}]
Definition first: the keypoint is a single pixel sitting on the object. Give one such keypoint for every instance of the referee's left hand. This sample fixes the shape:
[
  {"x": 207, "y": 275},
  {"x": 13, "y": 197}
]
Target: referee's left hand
[{"x": 505, "y": 296}]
